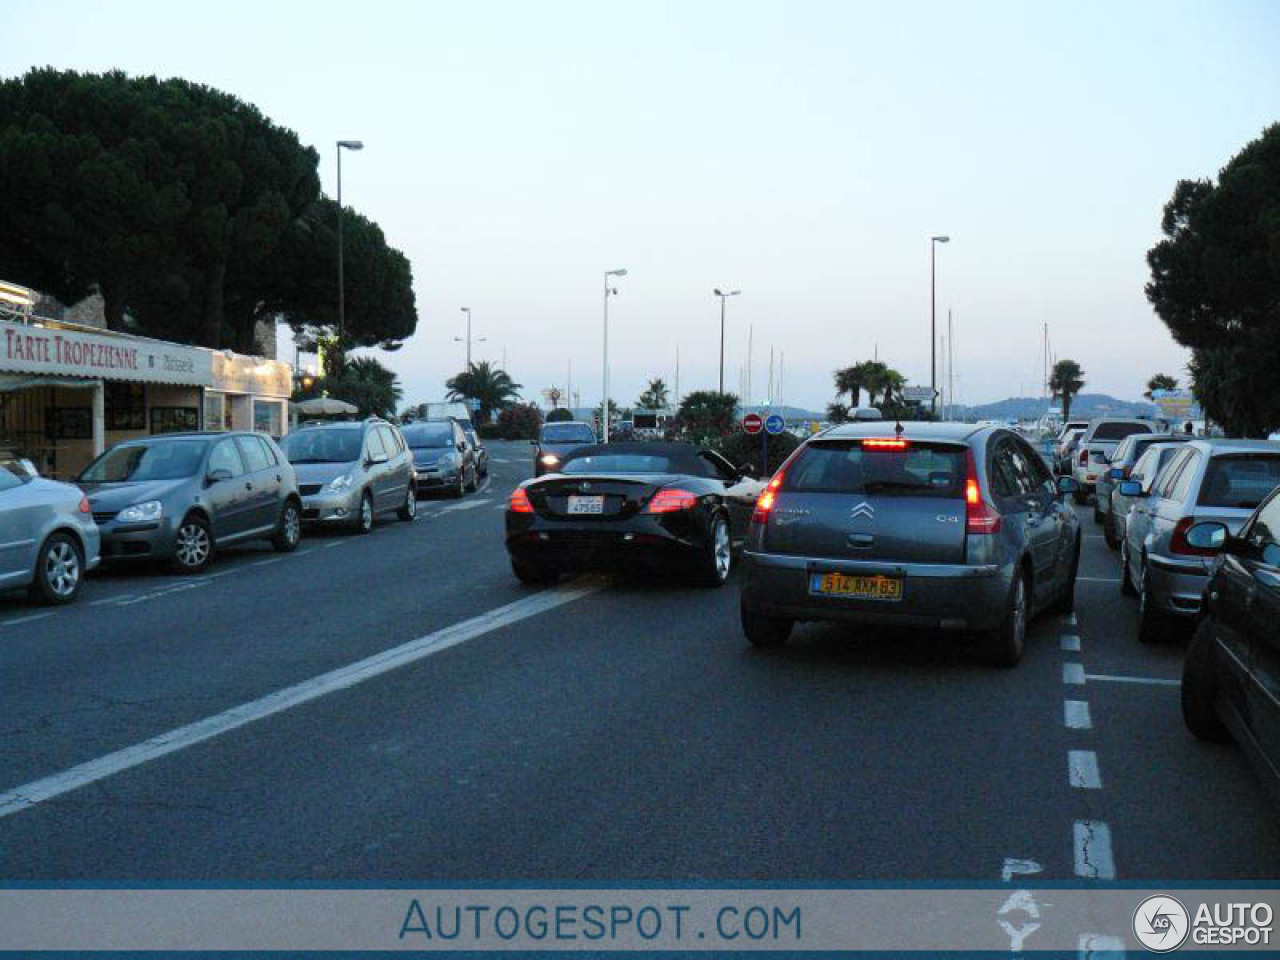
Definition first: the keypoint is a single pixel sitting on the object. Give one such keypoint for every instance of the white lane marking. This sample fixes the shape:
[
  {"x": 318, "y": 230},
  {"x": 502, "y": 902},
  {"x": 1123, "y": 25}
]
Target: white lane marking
[
  {"x": 1075, "y": 715},
  {"x": 1073, "y": 673},
  {"x": 303, "y": 553},
  {"x": 1069, "y": 618},
  {"x": 485, "y": 486},
  {"x": 1014, "y": 867},
  {"x": 1092, "y": 841},
  {"x": 1099, "y": 579},
  {"x": 263, "y": 563},
  {"x": 466, "y": 505},
  {"x": 334, "y": 543},
  {"x": 38, "y": 791},
  {"x": 106, "y": 600},
  {"x": 1153, "y": 681},
  {"x": 1071, "y": 643},
  {"x": 1100, "y": 946},
  {"x": 500, "y": 506},
  {"x": 27, "y": 619},
  {"x": 1082, "y": 769},
  {"x": 162, "y": 592}
]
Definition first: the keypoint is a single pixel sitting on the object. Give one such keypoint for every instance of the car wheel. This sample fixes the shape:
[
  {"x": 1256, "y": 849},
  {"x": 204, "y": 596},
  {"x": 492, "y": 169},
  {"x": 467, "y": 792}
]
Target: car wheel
[
  {"x": 364, "y": 518},
  {"x": 1200, "y": 689},
  {"x": 410, "y": 508},
  {"x": 1066, "y": 602},
  {"x": 1126, "y": 582},
  {"x": 717, "y": 560},
  {"x": 1109, "y": 530},
  {"x": 193, "y": 546},
  {"x": 59, "y": 570},
  {"x": 534, "y": 576},
  {"x": 1098, "y": 515},
  {"x": 1153, "y": 625},
  {"x": 763, "y": 631},
  {"x": 289, "y": 530},
  {"x": 474, "y": 485},
  {"x": 1003, "y": 646}
]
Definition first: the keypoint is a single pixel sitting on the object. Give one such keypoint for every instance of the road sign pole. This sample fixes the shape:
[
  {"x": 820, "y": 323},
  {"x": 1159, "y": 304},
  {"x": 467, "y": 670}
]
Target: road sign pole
[{"x": 764, "y": 454}]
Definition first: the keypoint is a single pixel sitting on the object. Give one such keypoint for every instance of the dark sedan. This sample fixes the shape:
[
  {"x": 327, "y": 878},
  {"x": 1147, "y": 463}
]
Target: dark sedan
[
  {"x": 1232, "y": 671},
  {"x": 625, "y": 506},
  {"x": 556, "y": 441}
]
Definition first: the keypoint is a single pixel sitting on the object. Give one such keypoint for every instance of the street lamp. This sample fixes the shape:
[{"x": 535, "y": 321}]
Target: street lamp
[
  {"x": 342, "y": 306},
  {"x": 604, "y": 403},
  {"x": 467, "y": 311},
  {"x": 933, "y": 319},
  {"x": 723, "y": 297}
]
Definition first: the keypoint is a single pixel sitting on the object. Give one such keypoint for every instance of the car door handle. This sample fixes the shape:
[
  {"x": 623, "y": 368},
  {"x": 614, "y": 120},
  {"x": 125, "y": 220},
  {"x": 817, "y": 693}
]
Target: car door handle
[{"x": 248, "y": 486}]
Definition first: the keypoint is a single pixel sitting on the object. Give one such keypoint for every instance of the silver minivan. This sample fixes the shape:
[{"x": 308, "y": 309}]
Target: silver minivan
[
  {"x": 351, "y": 471},
  {"x": 940, "y": 525},
  {"x": 1221, "y": 480}
]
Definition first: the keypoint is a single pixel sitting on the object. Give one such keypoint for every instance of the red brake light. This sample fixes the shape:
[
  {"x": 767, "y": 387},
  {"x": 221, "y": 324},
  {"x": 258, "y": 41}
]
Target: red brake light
[
  {"x": 1178, "y": 541},
  {"x": 979, "y": 516},
  {"x": 882, "y": 443},
  {"x": 671, "y": 500},
  {"x": 766, "y": 500},
  {"x": 1084, "y": 456},
  {"x": 520, "y": 501},
  {"x": 84, "y": 505}
]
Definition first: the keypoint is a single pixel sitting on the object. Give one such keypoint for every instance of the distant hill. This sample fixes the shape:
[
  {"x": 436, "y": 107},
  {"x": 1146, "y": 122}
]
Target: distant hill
[
  {"x": 788, "y": 413},
  {"x": 1084, "y": 407}
]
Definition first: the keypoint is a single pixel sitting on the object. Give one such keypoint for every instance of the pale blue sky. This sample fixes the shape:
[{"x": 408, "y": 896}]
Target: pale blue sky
[{"x": 803, "y": 152}]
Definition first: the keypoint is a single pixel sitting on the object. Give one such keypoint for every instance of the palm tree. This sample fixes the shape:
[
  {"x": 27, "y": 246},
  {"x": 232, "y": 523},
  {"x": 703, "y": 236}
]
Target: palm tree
[
  {"x": 1161, "y": 381},
  {"x": 654, "y": 396},
  {"x": 837, "y": 412},
  {"x": 488, "y": 385},
  {"x": 850, "y": 380},
  {"x": 1065, "y": 381}
]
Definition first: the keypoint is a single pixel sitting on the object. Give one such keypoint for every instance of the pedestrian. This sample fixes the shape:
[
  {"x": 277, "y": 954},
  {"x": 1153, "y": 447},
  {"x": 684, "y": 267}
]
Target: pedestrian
[{"x": 1189, "y": 428}]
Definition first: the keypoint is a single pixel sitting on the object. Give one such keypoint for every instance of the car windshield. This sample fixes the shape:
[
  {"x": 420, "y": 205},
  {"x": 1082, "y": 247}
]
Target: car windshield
[
  {"x": 918, "y": 470},
  {"x": 619, "y": 463},
  {"x": 1242, "y": 482},
  {"x": 139, "y": 462},
  {"x": 1107, "y": 432},
  {"x": 323, "y": 445},
  {"x": 428, "y": 436},
  {"x": 567, "y": 433}
]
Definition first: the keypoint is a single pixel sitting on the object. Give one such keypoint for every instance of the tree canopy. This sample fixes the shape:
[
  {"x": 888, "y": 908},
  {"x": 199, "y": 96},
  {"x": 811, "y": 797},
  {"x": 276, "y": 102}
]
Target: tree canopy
[
  {"x": 1161, "y": 381},
  {"x": 654, "y": 396},
  {"x": 705, "y": 413},
  {"x": 1065, "y": 381},
  {"x": 1215, "y": 282},
  {"x": 363, "y": 381},
  {"x": 489, "y": 385}
]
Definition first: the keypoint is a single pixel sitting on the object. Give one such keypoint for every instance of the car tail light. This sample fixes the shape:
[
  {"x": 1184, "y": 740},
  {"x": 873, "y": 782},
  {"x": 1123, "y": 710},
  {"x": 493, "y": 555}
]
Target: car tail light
[
  {"x": 882, "y": 443},
  {"x": 1178, "y": 541},
  {"x": 84, "y": 505},
  {"x": 766, "y": 500},
  {"x": 979, "y": 516},
  {"x": 1084, "y": 456},
  {"x": 671, "y": 500},
  {"x": 520, "y": 501}
]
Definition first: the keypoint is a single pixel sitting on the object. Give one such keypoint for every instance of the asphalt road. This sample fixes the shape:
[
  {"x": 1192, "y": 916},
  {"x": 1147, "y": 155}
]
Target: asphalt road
[{"x": 599, "y": 731}]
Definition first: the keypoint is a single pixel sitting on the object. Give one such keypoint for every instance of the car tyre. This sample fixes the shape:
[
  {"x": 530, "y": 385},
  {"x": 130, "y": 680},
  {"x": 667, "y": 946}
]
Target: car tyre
[
  {"x": 1153, "y": 625},
  {"x": 193, "y": 546},
  {"x": 289, "y": 530},
  {"x": 1003, "y": 646},
  {"x": 1066, "y": 601},
  {"x": 765, "y": 631},
  {"x": 410, "y": 509},
  {"x": 717, "y": 560},
  {"x": 1200, "y": 689},
  {"x": 534, "y": 576},
  {"x": 1127, "y": 588},
  {"x": 59, "y": 570},
  {"x": 1109, "y": 530},
  {"x": 364, "y": 517},
  {"x": 1098, "y": 516}
]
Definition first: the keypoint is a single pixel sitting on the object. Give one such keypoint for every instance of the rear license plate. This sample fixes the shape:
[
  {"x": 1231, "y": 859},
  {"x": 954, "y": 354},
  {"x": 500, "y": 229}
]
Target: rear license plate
[
  {"x": 588, "y": 506},
  {"x": 855, "y": 588}
]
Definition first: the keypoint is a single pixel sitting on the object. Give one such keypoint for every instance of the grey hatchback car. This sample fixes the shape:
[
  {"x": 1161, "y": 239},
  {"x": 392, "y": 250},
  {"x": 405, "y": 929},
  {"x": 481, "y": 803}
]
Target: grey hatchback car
[
  {"x": 179, "y": 496},
  {"x": 349, "y": 471},
  {"x": 48, "y": 539},
  {"x": 938, "y": 525}
]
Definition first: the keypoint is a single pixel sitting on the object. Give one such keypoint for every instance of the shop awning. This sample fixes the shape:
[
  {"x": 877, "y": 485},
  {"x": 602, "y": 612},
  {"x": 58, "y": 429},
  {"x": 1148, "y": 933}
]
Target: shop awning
[{"x": 9, "y": 384}]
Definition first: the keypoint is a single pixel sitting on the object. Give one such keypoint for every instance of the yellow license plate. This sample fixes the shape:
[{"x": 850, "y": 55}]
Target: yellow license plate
[{"x": 855, "y": 588}]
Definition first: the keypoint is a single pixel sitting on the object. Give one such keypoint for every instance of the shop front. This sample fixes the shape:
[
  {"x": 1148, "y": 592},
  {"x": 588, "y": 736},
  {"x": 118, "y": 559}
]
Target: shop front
[{"x": 248, "y": 393}]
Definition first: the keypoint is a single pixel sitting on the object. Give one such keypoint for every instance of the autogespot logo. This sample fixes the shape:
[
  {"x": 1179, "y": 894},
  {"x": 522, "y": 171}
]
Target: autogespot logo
[{"x": 1161, "y": 923}]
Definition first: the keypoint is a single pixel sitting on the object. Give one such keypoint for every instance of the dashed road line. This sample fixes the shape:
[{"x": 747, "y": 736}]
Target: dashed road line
[
  {"x": 1082, "y": 769},
  {"x": 1073, "y": 673},
  {"x": 1093, "y": 858},
  {"x": 1075, "y": 715},
  {"x": 1153, "y": 681},
  {"x": 466, "y": 505},
  {"x": 1071, "y": 643},
  {"x": 14, "y": 621},
  {"x": 263, "y": 563}
]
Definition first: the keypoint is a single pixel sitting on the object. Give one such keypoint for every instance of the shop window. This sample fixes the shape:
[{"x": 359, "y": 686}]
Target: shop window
[
  {"x": 268, "y": 417},
  {"x": 174, "y": 419},
  {"x": 125, "y": 406},
  {"x": 69, "y": 423},
  {"x": 215, "y": 412}
]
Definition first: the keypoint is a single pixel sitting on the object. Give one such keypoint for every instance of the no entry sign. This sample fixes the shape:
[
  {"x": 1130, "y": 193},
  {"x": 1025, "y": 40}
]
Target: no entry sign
[{"x": 752, "y": 423}]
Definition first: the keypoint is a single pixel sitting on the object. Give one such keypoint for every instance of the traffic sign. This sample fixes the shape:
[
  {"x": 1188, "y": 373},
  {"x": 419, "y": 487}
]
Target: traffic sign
[
  {"x": 774, "y": 423},
  {"x": 752, "y": 423},
  {"x": 917, "y": 394}
]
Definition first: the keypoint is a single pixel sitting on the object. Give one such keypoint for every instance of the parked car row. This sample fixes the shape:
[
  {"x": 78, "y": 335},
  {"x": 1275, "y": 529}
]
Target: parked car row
[{"x": 176, "y": 498}]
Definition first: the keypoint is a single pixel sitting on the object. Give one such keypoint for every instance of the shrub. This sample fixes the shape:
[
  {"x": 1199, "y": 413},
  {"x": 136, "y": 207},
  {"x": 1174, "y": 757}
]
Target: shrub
[
  {"x": 520, "y": 422},
  {"x": 741, "y": 448},
  {"x": 559, "y": 414}
]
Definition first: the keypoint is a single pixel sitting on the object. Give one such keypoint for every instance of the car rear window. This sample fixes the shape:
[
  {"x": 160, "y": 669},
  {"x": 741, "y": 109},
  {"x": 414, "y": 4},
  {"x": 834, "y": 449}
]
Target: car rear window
[
  {"x": 1239, "y": 481},
  {"x": 1118, "y": 431},
  {"x": 567, "y": 433},
  {"x": 918, "y": 470},
  {"x": 620, "y": 463}
]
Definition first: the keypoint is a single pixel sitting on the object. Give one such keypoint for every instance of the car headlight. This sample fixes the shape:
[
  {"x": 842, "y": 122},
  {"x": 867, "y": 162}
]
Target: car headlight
[
  {"x": 139, "y": 512},
  {"x": 549, "y": 459},
  {"x": 339, "y": 484}
]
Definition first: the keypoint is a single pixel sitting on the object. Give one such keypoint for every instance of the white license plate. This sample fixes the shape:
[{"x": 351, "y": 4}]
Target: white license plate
[{"x": 590, "y": 506}]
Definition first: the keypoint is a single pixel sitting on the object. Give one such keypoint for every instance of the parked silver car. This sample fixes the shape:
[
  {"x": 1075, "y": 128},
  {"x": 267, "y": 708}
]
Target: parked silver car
[
  {"x": 943, "y": 525},
  {"x": 1093, "y": 453},
  {"x": 1154, "y": 458},
  {"x": 351, "y": 471},
  {"x": 1219, "y": 480},
  {"x": 48, "y": 539},
  {"x": 1122, "y": 460},
  {"x": 442, "y": 456}
]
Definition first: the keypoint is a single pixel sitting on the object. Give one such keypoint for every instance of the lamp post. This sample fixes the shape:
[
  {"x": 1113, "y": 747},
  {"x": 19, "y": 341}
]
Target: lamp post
[
  {"x": 467, "y": 311},
  {"x": 723, "y": 297},
  {"x": 933, "y": 319},
  {"x": 342, "y": 304},
  {"x": 604, "y": 402}
]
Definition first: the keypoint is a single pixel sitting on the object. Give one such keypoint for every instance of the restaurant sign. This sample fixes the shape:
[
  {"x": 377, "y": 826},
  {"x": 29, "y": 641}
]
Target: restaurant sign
[{"x": 73, "y": 353}]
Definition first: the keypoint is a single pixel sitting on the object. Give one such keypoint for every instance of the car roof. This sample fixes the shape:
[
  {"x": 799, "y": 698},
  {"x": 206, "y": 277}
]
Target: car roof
[
  {"x": 911, "y": 430},
  {"x": 1216, "y": 445},
  {"x": 566, "y": 423}
]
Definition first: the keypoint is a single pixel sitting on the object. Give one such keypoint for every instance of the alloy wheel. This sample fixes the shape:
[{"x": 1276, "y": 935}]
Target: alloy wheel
[
  {"x": 193, "y": 545},
  {"x": 1020, "y": 614},
  {"x": 723, "y": 550},
  {"x": 366, "y": 512},
  {"x": 292, "y": 525},
  {"x": 62, "y": 568}
]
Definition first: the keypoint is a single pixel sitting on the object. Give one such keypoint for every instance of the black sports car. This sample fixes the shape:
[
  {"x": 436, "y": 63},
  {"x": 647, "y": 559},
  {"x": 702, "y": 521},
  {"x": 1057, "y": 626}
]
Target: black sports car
[{"x": 626, "y": 506}]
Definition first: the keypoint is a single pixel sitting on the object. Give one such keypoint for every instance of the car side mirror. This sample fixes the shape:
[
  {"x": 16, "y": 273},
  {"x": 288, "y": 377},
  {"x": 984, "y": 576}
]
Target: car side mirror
[
  {"x": 217, "y": 476},
  {"x": 1208, "y": 535},
  {"x": 1068, "y": 485},
  {"x": 1115, "y": 473},
  {"x": 375, "y": 460},
  {"x": 1131, "y": 488}
]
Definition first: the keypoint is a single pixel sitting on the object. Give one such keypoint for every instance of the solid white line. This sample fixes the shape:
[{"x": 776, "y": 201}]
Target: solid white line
[
  {"x": 1075, "y": 714},
  {"x": 1082, "y": 769},
  {"x": 466, "y": 505},
  {"x": 263, "y": 563},
  {"x": 1153, "y": 681},
  {"x": 333, "y": 543},
  {"x": 28, "y": 618},
  {"x": 1072, "y": 673},
  {"x": 1093, "y": 850},
  {"x": 1099, "y": 579},
  {"x": 1071, "y": 643},
  {"x": 1100, "y": 946},
  {"x": 30, "y": 794}
]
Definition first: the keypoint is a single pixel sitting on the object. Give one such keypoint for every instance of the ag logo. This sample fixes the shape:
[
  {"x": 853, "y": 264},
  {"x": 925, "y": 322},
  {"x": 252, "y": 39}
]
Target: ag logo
[{"x": 1161, "y": 923}]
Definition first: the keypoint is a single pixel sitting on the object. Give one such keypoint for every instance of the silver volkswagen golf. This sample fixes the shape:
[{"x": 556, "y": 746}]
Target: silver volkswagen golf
[{"x": 939, "y": 525}]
